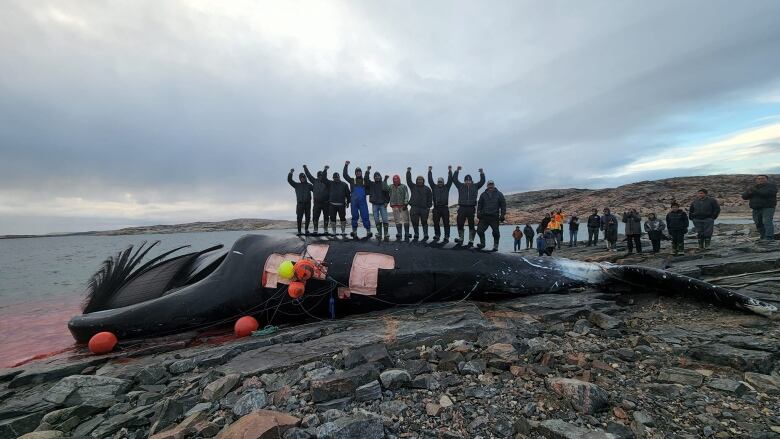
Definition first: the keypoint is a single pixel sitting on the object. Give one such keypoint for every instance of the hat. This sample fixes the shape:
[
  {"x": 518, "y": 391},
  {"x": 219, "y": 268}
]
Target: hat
[
  {"x": 440, "y": 180},
  {"x": 491, "y": 182}
]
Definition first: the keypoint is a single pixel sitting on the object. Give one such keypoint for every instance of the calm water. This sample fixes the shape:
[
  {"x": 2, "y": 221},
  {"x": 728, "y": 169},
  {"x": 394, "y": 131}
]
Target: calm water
[{"x": 42, "y": 281}]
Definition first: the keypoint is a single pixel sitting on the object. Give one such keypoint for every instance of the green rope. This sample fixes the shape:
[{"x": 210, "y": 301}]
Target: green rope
[{"x": 268, "y": 330}]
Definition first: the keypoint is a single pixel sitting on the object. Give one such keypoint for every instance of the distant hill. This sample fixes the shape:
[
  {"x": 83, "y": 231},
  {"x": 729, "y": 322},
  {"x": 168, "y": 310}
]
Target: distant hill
[{"x": 645, "y": 196}]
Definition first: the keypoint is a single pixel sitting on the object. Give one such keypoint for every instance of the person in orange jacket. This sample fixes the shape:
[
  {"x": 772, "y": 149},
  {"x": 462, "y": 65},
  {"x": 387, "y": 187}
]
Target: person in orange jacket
[{"x": 517, "y": 234}]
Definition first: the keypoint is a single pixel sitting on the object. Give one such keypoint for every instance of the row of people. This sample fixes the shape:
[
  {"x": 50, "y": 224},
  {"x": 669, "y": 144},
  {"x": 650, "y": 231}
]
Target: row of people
[{"x": 411, "y": 204}]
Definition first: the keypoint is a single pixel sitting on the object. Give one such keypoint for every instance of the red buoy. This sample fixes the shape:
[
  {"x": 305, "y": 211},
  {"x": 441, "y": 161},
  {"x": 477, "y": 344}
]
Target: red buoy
[
  {"x": 296, "y": 289},
  {"x": 304, "y": 269},
  {"x": 246, "y": 326},
  {"x": 102, "y": 343}
]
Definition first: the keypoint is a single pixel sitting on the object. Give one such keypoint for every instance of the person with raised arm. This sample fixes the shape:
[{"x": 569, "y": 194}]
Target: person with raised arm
[
  {"x": 467, "y": 203},
  {"x": 441, "y": 204},
  {"x": 321, "y": 195},
  {"x": 303, "y": 199},
  {"x": 357, "y": 187},
  {"x": 420, "y": 201}
]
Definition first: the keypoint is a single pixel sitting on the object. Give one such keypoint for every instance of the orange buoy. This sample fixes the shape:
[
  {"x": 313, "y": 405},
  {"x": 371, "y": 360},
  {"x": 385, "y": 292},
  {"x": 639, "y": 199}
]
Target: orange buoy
[
  {"x": 296, "y": 289},
  {"x": 304, "y": 269},
  {"x": 246, "y": 326},
  {"x": 102, "y": 343}
]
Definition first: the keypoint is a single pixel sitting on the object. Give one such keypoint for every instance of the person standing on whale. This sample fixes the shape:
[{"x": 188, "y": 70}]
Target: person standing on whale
[
  {"x": 420, "y": 201},
  {"x": 321, "y": 193},
  {"x": 491, "y": 210},
  {"x": 441, "y": 204},
  {"x": 399, "y": 202},
  {"x": 338, "y": 200},
  {"x": 467, "y": 203},
  {"x": 379, "y": 196},
  {"x": 357, "y": 187},
  {"x": 303, "y": 199}
]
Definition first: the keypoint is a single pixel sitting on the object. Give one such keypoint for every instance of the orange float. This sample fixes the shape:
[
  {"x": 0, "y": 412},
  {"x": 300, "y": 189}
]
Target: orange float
[
  {"x": 296, "y": 289},
  {"x": 102, "y": 343},
  {"x": 246, "y": 326},
  {"x": 304, "y": 269}
]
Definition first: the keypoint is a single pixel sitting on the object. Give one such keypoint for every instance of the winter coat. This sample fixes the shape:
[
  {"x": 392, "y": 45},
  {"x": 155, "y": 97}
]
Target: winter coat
[
  {"x": 517, "y": 234},
  {"x": 421, "y": 195},
  {"x": 321, "y": 186},
  {"x": 704, "y": 208},
  {"x": 399, "y": 195},
  {"x": 594, "y": 221},
  {"x": 378, "y": 192},
  {"x": 633, "y": 223},
  {"x": 549, "y": 239},
  {"x": 761, "y": 196},
  {"x": 574, "y": 223},
  {"x": 543, "y": 225},
  {"x": 302, "y": 190},
  {"x": 491, "y": 203},
  {"x": 528, "y": 231},
  {"x": 441, "y": 195},
  {"x": 609, "y": 222},
  {"x": 339, "y": 192},
  {"x": 677, "y": 220},
  {"x": 467, "y": 195},
  {"x": 655, "y": 228}
]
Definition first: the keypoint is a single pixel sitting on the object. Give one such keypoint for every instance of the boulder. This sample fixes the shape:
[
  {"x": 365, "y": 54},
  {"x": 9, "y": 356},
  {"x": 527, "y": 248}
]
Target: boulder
[
  {"x": 727, "y": 385},
  {"x": 182, "y": 366},
  {"x": 369, "y": 392},
  {"x": 153, "y": 374},
  {"x": 260, "y": 424},
  {"x": 374, "y": 353},
  {"x": 18, "y": 426},
  {"x": 167, "y": 412},
  {"x": 45, "y": 434},
  {"x": 250, "y": 401},
  {"x": 473, "y": 367},
  {"x": 584, "y": 397},
  {"x": 768, "y": 384},
  {"x": 741, "y": 359},
  {"x": 417, "y": 367},
  {"x": 680, "y": 376},
  {"x": 559, "y": 429},
  {"x": 364, "y": 427},
  {"x": 603, "y": 321},
  {"x": 185, "y": 428},
  {"x": 394, "y": 378},
  {"x": 393, "y": 408},
  {"x": 342, "y": 384},
  {"x": 78, "y": 389},
  {"x": 219, "y": 388}
]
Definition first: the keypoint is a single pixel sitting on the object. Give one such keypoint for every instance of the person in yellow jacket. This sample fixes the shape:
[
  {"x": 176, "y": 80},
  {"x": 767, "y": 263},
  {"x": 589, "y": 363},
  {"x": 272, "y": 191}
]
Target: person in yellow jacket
[
  {"x": 558, "y": 217},
  {"x": 554, "y": 226}
]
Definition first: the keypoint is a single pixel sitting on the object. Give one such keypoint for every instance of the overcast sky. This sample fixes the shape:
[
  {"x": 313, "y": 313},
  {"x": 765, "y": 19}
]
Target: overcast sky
[{"x": 116, "y": 113}]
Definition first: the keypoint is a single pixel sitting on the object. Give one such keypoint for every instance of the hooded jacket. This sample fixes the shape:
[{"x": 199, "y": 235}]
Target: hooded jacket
[
  {"x": 321, "y": 185},
  {"x": 339, "y": 192},
  {"x": 378, "y": 191},
  {"x": 491, "y": 203},
  {"x": 761, "y": 196},
  {"x": 594, "y": 221},
  {"x": 677, "y": 220},
  {"x": 633, "y": 223},
  {"x": 609, "y": 222},
  {"x": 441, "y": 195},
  {"x": 528, "y": 231},
  {"x": 467, "y": 195},
  {"x": 399, "y": 195},
  {"x": 704, "y": 208},
  {"x": 654, "y": 228},
  {"x": 422, "y": 196},
  {"x": 302, "y": 190}
]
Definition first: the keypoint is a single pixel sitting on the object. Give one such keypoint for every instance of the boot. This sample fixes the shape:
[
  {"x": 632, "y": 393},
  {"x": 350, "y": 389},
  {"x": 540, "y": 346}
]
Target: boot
[
  {"x": 333, "y": 227},
  {"x": 343, "y": 228},
  {"x": 398, "y": 231},
  {"x": 378, "y": 231},
  {"x": 701, "y": 243},
  {"x": 354, "y": 233},
  {"x": 471, "y": 237},
  {"x": 707, "y": 243},
  {"x": 325, "y": 227},
  {"x": 316, "y": 227},
  {"x": 495, "y": 245},
  {"x": 459, "y": 239},
  {"x": 425, "y": 232},
  {"x": 407, "y": 235},
  {"x": 386, "y": 226},
  {"x": 368, "y": 232}
]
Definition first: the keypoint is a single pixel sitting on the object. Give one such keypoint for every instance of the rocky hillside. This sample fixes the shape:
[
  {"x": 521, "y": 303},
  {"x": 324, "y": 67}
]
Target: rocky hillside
[
  {"x": 646, "y": 196},
  {"x": 230, "y": 225}
]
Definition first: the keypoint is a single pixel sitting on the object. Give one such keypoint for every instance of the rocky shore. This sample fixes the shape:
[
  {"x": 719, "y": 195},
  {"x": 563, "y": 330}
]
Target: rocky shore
[{"x": 590, "y": 364}]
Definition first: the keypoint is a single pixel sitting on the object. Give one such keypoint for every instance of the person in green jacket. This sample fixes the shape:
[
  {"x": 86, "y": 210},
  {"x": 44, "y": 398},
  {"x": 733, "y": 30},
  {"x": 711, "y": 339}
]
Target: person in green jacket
[{"x": 399, "y": 202}]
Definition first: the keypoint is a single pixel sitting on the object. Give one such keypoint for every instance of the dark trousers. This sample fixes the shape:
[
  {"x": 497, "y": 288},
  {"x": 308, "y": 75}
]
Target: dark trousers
[
  {"x": 549, "y": 251},
  {"x": 419, "y": 216},
  {"x": 301, "y": 210},
  {"x": 678, "y": 239},
  {"x": 558, "y": 237},
  {"x": 634, "y": 240},
  {"x": 764, "y": 222},
  {"x": 441, "y": 215},
  {"x": 518, "y": 244},
  {"x": 593, "y": 236},
  {"x": 484, "y": 223},
  {"x": 529, "y": 242},
  {"x": 656, "y": 245},
  {"x": 465, "y": 213},
  {"x": 321, "y": 207},
  {"x": 573, "y": 237},
  {"x": 339, "y": 209}
]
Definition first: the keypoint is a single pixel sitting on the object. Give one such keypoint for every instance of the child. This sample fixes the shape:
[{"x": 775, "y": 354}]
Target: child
[
  {"x": 677, "y": 223},
  {"x": 517, "y": 234},
  {"x": 541, "y": 244},
  {"x": 550, "y": 241}
]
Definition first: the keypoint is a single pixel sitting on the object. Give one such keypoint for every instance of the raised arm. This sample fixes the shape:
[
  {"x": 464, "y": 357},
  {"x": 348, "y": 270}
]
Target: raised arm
[
  {"x": 430, "y": 177},
  {"x": 345, "y": 173},
  {"x": 290, "y": 179},
  {"x": 481, "y": 178},
  {"x": 311, "y": 178},
  {"x": 409, "y": 178},
  {"x": 455, "y": 180},
  {"x": 449, "y": 177}
]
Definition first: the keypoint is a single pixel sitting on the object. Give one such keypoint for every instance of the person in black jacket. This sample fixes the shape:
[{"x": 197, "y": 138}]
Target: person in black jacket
[
  {"x": 491, "y": 210},
  {"x": 467, "y": 202},
  {"x": 528, "y": 231},
  {"x": 321, "y": 187},
  {"x": 677, "y": 223},
  {"x": 379, "y": 196},
  {"x": 594, "y": 225},
  {"x": 338, "y": 200},
  {"x": 763, "y": 201},
  {"x": 420, "y": 200},
  {"x": 633, "y": 230},
  {"x": 441, "y": 204},
  {"x": 574, "y": 228},
  {"x": 302, "y": 198},
  {"x": 704, "y": 211}
]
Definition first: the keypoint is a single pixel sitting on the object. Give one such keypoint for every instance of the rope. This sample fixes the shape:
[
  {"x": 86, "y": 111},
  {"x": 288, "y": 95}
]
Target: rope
[{"x": 268, "y": 330}]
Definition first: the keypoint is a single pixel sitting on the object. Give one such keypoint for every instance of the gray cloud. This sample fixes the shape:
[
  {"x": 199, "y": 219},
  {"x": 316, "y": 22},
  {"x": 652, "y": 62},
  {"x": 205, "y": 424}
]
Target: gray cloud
[{"x": 210, "y": 104}]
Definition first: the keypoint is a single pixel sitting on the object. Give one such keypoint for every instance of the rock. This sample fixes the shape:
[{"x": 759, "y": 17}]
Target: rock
[
  {"x": 432, "y": 409},
  {"x": 340, "y": 404},
  {"x": 342, "y": 384},
  {"x": 49, "y": 434},
  {"x": 219, "y": 388},
  {"x": 477, "y": 423},
  {"x": 394, "y": 378},
  {"x": 152, "y": 374},
  {"x": 559, "y": 429},
  {"x": 20, "y": 425},
  {"x": 182, "y": 366},
  {"x": 331, "y": 415},
  {"x": 619, "y": 431},
  {"x": 426, "y": 381},
  {"x": 449, "y": 360},
  {"x": 85, "y": 428},
  {"x": 501, "y": 355},
  {"x": 768, "y": 384},
  {"x": 417, "y": 367},
  {"x": 584, "y": 397},
  {"x": 263, "y": 424},
  {"x": 310, "y": 421},
  {"x": 581, "y": 326},
  {"x": 297, "y": 433},
  {"x": 77, "y": 389},
  {"x": 445, "y": 401},
  {"x": 198, "y": 408},
  {"x": 741, "y": 359},
  {"x": 680, "y": 376},
  {"x": 168, "y": 411},
  {"x": 727, "y": 385},
  {"x": 48, "y": 373},
  {"x": 369, "y": 392},
  {"x": 57, "y": 417},
  {"x": 205, "y": 429},
  {"x": 473, "y": 367},
  {"x": 504, "y": 427},
  {"x": 250, "y": 401},
  {"x": 375, "y": 353},
  {"x": 643, "y": 418},
  {"x": 603, "y": 321},
  {"x": 393, "y": 408},
  {"x": 184, "y": 429},
  {"x": 364, "y": 427},
  {"x": 116, "y": 423}
]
